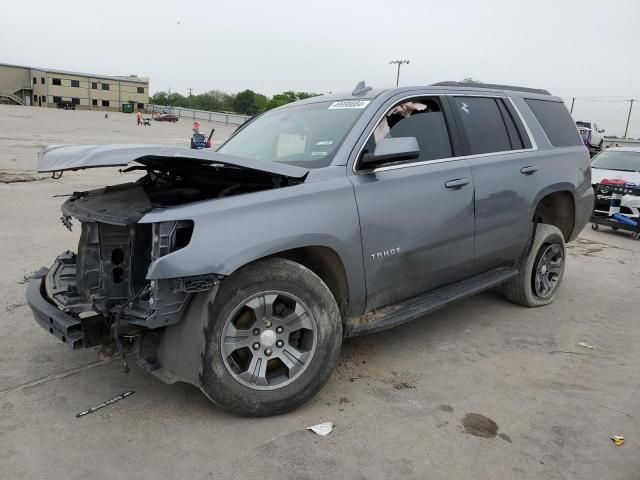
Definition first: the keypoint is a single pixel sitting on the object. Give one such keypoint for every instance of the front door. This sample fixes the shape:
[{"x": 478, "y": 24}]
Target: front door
[{"x": 417, "y": 217}]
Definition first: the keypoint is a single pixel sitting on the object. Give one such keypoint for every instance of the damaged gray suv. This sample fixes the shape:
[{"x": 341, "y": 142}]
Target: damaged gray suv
[{"x": 241, "y": 271}]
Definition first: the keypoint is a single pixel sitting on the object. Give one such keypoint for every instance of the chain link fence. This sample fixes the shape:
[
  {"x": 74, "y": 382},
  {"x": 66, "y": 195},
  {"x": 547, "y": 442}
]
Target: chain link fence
[{"x": 218, "y": 117}]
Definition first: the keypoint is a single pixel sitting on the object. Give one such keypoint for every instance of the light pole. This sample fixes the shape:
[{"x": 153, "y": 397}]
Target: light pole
[
  {"x": 398, "y": 62},
  {"x": 626, "y": 129}
]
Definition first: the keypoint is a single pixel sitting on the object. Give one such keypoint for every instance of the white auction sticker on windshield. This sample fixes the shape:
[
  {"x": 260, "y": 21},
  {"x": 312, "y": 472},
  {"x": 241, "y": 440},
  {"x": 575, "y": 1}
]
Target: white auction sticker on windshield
[{"x": 349, "y": 104}]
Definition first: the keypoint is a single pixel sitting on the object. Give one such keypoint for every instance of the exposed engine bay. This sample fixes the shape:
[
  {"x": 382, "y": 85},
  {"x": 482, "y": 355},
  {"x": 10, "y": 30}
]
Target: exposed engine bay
[
  {"x": 104, "y": 287},
  {"x": 166, "y": 185}
]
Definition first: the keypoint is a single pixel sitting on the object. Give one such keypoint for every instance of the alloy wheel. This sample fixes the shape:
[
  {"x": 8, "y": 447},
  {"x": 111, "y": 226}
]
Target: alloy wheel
[
  {"x": 269, "y": 340},
  {"x": 547, "y": 271}
]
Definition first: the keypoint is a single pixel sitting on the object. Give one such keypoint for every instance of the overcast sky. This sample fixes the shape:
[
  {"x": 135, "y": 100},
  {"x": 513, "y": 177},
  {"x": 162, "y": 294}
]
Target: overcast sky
[{"x": 572, "y": 48}]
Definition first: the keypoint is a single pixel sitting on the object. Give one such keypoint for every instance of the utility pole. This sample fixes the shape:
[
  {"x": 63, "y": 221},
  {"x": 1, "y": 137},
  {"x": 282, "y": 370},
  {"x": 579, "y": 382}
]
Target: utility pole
[
  {"x": 573, "y": 100},
  {"x": 190, "y": 92},
  {"x": 626, "y": 129},
  {"x": 399, "y": 63}
]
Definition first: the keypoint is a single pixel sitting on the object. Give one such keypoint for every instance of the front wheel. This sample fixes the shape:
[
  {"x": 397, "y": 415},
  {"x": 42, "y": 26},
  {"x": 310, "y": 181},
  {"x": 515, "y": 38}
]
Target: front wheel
[
  {"x": 541, "y": 271},
  {"x": 272, "y": 340}
]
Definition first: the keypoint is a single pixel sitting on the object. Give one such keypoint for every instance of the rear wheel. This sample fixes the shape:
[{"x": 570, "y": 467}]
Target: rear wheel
[
  {"x": 273, "y": 339},
  {"x": 541, "y": 271}
]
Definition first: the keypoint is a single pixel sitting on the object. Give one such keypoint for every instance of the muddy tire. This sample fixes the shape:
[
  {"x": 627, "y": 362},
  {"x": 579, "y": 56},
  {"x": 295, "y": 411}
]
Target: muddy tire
[
  {"x": 541, "y": 271},
  {"x": 272, "y": 340}
]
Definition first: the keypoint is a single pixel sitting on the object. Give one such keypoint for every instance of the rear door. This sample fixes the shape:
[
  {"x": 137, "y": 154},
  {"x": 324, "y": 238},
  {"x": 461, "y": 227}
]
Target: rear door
[
  {"x": 416, "y": 217},
  {"x": 497, "y": 147}
]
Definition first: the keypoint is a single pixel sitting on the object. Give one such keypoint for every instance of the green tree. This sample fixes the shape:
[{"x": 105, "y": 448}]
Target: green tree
[
  {"x": 246, "y": 102},
  {"x": 176, "y": 100},
  {"x": 249, "y": 102},
  {"x": 283, "y": 98},
  {"x": 159, "y": 98}
]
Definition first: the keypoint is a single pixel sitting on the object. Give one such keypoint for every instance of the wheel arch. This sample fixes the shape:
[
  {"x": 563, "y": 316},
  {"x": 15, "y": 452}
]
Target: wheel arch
[
  {"x": 556, "y": 206},
  {"x": 326, "y": 263}
]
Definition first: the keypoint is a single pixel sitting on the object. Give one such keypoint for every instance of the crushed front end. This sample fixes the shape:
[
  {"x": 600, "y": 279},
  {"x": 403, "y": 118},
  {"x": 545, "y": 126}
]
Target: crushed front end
[
  {"x": 101, "y": 294},
  {"x": 108, "y": 293}
]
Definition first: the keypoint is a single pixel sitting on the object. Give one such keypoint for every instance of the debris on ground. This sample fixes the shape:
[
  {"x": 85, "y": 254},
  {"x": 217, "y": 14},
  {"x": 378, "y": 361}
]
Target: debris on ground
[
  {"x": 617, "y": 440},
  {"x": 585, "y": 345},
  {"x": 322, "y": 429},
  {"x": 106, "y": 403}
]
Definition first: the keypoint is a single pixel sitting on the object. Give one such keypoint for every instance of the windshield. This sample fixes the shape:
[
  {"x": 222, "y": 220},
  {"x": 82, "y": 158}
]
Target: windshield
[
  {"x": 304, "y": 135},
  {"x": 617, "y": 160},
  {"x": 584, "y": 124}
]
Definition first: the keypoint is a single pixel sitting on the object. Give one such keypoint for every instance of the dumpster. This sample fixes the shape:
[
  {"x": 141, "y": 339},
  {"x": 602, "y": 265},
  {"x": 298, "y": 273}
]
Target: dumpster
[{"x": 127, "y": 108}]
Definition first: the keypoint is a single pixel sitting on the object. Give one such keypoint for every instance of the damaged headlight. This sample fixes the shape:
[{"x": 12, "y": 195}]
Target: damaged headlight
[{"x": 170, "y": 236}]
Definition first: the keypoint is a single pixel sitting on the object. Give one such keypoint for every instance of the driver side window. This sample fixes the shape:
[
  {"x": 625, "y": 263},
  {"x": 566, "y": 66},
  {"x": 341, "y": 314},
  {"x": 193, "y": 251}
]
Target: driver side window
[{"x": 421, "y": 118}]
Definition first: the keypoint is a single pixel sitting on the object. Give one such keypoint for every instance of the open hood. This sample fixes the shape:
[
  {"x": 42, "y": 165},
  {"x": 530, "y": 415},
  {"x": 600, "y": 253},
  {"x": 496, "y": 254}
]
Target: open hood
[{"x": 58, "y": 158}]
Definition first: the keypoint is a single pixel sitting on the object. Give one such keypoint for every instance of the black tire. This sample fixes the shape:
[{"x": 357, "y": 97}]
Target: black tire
[
  {"x": 522, "y": 289},
  {"x": 275, "y": 274}
]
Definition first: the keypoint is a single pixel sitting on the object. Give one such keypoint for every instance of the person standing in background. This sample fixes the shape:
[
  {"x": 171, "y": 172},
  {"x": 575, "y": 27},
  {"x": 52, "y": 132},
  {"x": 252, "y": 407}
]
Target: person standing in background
[{"x": 139, "y": 115}]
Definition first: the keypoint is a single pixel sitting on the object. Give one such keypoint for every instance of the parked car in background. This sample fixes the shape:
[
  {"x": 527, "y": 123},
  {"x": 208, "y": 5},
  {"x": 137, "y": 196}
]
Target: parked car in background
[
  {"x": 166, "y": 117},
  {"x": 592, "y": 135},
  {"x": 616, "y": 163},
  {"x": 241, "y": 270},
  {"x": 66, "y": 105}
]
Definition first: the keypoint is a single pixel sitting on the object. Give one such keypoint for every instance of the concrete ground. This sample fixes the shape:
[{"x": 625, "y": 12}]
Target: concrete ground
[{"x": 400, "y": 399}]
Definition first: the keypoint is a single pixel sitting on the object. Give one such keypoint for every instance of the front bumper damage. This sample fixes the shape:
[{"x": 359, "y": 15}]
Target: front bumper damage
[
  {"x": 60, "y": 324},
  {"x": 77, "y": 301}
]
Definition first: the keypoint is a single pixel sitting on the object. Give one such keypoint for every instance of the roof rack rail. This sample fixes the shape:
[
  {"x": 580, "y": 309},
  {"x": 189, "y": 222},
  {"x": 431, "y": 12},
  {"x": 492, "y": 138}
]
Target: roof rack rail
[{"x": 491, "y": 85}]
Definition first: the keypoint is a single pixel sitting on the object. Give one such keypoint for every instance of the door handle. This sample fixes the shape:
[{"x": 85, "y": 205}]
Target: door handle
[
  {"x": 530, "y": 170},
  {"x": 457, "y": 183}
]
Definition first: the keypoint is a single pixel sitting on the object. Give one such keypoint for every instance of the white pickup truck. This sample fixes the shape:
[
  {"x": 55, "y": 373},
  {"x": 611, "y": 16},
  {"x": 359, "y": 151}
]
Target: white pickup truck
[{"x": 592, "y": 135}]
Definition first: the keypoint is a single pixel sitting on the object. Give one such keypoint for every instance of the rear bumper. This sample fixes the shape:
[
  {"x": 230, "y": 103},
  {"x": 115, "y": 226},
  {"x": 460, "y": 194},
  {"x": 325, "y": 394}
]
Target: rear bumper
[{"x": 65, "y": 327}]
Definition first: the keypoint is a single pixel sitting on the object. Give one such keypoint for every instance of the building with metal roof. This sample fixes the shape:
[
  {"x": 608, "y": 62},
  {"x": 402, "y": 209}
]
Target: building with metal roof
[{"x": 33, "y": 86}]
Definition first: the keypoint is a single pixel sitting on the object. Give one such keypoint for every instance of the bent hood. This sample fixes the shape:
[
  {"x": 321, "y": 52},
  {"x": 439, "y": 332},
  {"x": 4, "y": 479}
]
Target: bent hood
[{"x": 59, "y": 158}]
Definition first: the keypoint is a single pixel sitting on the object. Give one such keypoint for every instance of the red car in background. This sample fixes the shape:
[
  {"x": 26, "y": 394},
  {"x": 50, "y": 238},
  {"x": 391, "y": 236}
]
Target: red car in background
[{"x": 166, "y": 117}]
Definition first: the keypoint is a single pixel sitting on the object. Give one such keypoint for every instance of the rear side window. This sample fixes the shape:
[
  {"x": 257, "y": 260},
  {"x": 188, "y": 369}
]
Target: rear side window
[
  {"x": 485, "y": 126},
  {"x": 556, "y": 122}
]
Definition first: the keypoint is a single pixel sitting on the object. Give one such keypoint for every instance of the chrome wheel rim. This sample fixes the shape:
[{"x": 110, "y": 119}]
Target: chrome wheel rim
[
  {"x": 548, "y": 268},
  {"x": 269, "y": 340}
]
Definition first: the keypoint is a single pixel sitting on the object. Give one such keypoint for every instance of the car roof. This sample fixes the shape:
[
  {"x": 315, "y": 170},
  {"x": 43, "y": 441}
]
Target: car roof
[{"x": 442, "y": 87}]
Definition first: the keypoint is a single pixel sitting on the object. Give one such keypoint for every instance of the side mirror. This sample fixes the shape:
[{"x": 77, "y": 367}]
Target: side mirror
[{"x": 392, "y": 150}]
